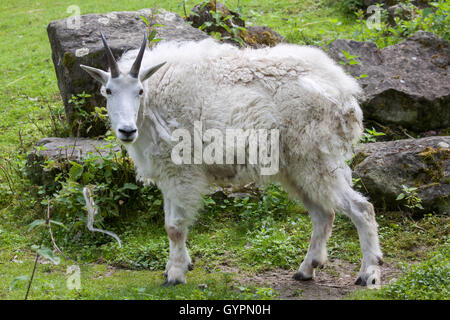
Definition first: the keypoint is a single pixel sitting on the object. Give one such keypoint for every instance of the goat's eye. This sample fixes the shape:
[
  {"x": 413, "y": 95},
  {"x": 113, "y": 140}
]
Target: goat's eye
[
  {"x": 108, "y": 91},
  {"x": 141, "y": 92}
]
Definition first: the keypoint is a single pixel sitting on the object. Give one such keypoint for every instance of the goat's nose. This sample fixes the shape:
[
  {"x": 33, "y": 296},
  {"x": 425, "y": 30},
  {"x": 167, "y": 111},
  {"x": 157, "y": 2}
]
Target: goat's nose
[{"x": 127, "y": 131}]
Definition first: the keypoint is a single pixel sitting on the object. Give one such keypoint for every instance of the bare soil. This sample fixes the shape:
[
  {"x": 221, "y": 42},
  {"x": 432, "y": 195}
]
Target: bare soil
[{"x": 333, "y": 282}]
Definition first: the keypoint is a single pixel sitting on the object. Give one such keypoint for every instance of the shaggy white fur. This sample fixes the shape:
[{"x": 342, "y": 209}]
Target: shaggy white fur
[{"x": 298, "y": 90}]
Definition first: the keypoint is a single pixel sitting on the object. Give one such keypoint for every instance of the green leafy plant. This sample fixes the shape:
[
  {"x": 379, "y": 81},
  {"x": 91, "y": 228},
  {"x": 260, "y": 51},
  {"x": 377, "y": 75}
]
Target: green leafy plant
[
  {"x": 356, "y": 183},
  {"x": 426, "y": 19},
  {"x": 115, "y": 191},
  {"x": 219, "y": 21},
  {"x": 350, "y": 6},
  {"x": 84, "y": 118},
  {"x": 260, "y": 293},
  {"x": 349, "y": 59},
  {"x": 428, "y": 280},
  {"x": 151, "y": 38},
  {"x": 410, "y": 198},
  {"x": 435, "y": 20},
  {"x": 370, "y": 135},
  {"x": 41, "y": 249}
]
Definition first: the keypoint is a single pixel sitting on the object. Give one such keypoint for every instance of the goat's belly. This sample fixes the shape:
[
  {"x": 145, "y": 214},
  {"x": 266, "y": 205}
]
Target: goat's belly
[{"x": 232, "y": 174}]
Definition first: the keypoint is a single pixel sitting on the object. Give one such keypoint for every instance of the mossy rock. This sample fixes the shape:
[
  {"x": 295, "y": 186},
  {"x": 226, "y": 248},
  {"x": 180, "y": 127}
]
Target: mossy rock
[
  {"x": 415, "y": 163},
  {"x": 254, "y": 36},
  {"x": 257, "y": 37}
]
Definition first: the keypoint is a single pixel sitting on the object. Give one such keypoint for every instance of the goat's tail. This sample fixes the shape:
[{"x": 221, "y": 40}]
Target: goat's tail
[{"x": 350, "y": 126}]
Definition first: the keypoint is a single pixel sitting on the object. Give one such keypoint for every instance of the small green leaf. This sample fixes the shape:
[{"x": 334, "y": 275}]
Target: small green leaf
[
  {"x": 400, "y": 196},
  {"x": 130, "y": 186},
  {"x": 58, "y": 223},
  {"x": 47, "y": 253},
  {"x": 145, "y": 20},
  {"x": 346, "y": 54},
  {"x": 35, "y": 223},
  {"x": 16, "y": 280},
  {"x": 76, "y": 171},
  {"x": 426, "y": 12},
  {"x": 152, "y": 35}
]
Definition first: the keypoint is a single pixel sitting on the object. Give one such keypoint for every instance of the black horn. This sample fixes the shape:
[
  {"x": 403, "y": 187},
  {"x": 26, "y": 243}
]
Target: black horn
[
  {"x": 111, "y": 61},
  {"x": 134, "y": 72}
]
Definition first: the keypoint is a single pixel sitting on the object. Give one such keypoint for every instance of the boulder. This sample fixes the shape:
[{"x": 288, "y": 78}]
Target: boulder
[
  {"x": 259, "y": 37},
  {"x": 384, "y": 167},
  {"x": 60, "y": 151},
  {"x": 79, "y": 43},
  {"x": 404, "y": 84},
  {"x": 403, "y": 11},
  {"x": 201, "y": 16},
  {"x": 253, "y": 36},
  {"x": 388, "y": 3}
]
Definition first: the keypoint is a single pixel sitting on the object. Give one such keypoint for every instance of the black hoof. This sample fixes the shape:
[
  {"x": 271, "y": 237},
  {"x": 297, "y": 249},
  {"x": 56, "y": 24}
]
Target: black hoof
[
  {"x": 361, "y": 281},
  {"x": 190, "y": 267},
  {"x": 380, "y": 261},
  {"x": 171, "y": 283},
  {"x": 299, "y": 276},
  {"x": 315, "y": 263}
]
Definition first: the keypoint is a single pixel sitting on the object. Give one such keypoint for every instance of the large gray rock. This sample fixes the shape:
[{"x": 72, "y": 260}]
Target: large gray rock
[
  {"x": 384, "y": 167},
  {"x": 407, "y": 84},
  {"x": 388, "y": 3},
  {"x": 253, "y": 36},
  {"x": 60, "y": 151},
  {"x": 74, "y": 44}
]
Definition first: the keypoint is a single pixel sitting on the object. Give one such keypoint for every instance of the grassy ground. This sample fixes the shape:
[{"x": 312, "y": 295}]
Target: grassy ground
[{"x": 236, "y": 246}]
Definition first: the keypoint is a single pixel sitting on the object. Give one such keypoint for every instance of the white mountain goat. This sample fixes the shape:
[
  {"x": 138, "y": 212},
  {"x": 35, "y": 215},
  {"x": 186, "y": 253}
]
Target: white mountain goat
[{"x": 298, "y": 91}]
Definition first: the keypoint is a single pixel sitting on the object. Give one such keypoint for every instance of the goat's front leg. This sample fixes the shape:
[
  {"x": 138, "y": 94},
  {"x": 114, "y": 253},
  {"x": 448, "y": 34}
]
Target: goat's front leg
[{"x": 176, "y": 224}]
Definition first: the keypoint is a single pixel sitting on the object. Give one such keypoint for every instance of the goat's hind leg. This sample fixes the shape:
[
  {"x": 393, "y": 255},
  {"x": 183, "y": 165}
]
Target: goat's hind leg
[
  {"x": 317, "y": 253},
  {"x": 362, "y": 214}
]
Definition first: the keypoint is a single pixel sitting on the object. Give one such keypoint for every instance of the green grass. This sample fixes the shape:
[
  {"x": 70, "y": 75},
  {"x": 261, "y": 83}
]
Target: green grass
[
  {"x": 229, "y": 238},
  {"x": 429, "y": 280},
  {"x": 98, "y": 281},
  {"x": 248, "y": 236}
]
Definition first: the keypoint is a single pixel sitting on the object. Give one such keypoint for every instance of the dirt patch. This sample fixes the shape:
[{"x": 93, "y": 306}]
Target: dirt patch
[{"x": 333, "y": 282}]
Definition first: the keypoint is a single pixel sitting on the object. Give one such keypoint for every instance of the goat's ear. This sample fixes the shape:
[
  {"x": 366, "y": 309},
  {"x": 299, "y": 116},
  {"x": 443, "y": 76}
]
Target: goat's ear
[
  {"x": 148, "y": 72},
  {"x": 99, "y": 75}
]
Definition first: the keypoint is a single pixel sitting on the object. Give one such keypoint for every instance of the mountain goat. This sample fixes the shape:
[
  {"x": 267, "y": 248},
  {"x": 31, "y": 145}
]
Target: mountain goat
[{"x": 298, "y": 93}]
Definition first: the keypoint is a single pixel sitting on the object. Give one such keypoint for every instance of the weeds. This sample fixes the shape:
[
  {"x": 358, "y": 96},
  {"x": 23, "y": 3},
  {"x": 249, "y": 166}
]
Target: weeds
[
  {"x": 83, "y": 118},
  {"x": 222, "y": 25},
  {"x": 370, "y": 135},
  {"x": 410, "y": 198},
  {"x": 428, "y": 280},
  {"x": 434, "y": 20}
]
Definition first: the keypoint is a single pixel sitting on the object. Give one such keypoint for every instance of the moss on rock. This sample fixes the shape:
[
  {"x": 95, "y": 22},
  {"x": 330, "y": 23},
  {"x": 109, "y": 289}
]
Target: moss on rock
[{"x": 68, "y": 60}]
